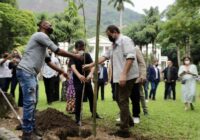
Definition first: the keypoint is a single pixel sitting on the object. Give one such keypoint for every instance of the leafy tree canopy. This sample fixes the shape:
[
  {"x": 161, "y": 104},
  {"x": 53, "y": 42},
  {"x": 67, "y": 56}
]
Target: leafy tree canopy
[{"x": 15, "y": 27}]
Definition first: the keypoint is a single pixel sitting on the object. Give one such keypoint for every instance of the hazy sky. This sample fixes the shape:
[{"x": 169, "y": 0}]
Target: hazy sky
[{"x": 146, "y": 4}]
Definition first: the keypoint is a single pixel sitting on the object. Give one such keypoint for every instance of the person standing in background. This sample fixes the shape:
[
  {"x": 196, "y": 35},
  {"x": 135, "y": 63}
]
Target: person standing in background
[
  {"x": 16, "y": 57},
  {"x": 188, "y": 73},
  {"x": 5, "y": 72},
  {"x": 49, "y": 78},
  {"x": 56, "y": 93},
  {"x": 102, "y": 79},
  {"x": 154, "y": 79},
  {"x": 137, "y": 94},
  {"x": 170, "y": 77}
]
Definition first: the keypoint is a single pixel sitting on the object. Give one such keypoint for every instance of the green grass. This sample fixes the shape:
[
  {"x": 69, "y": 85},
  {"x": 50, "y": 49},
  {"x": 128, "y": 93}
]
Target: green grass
[{"x": 167, "y": 119}]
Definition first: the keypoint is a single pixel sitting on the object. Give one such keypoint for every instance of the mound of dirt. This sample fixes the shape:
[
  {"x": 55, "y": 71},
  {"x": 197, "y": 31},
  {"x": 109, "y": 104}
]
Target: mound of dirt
[
  {"x": 53, "y": 123},
  {"x": 52, "y": 118}
]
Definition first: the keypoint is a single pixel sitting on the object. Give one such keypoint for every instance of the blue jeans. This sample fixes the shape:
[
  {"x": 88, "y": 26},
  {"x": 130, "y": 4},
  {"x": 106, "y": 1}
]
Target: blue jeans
[{"x": 28, "y": 84}]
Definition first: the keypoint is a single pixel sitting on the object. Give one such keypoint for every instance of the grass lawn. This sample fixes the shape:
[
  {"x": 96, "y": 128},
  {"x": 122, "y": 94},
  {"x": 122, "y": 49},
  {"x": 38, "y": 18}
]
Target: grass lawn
[{"x": 167, "y": 119}]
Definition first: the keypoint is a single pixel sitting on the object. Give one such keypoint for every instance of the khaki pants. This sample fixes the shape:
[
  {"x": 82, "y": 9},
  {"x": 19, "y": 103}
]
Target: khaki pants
[{"x": 123, "y": 94}]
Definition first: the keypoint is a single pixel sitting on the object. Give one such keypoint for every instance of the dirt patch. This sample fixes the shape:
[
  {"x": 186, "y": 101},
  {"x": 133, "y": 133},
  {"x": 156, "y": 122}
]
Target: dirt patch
[
  {"x": 55, "y": 125},
  {"x": 52, "y": 118}
]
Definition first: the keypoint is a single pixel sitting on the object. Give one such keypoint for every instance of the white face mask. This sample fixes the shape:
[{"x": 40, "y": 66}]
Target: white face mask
[{"x": 187, "y": 62}]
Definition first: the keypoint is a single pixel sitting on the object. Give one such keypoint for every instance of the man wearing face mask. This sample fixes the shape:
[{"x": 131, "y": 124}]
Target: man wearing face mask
[
  {"x": 49, "y": 78},
  {"x": 125, "y": 71},
  {"x": 28, "y": 68},
  {"x": 154, "y": 79}
]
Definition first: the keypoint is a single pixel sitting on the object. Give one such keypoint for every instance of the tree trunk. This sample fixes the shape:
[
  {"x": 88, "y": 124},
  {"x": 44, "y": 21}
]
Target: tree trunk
[
  {"x": 96, "y": 65},
  {"x": 147, "y": 59},
  {"x": 121, "y": 20},
  {"x": 84, "y": 17},
  {"x": 178, "y": 54},
  {"x": 153, "y": 49},
  {"x": 140, "y": 47}
]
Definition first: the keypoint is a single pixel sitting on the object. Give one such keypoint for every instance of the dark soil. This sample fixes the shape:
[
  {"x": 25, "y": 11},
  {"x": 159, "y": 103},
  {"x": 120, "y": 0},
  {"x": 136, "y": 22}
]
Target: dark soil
[
  {"x": 52, "y": 118},
  {"x": 62, "y": 125},
  {"x": 55, "y": 125}
]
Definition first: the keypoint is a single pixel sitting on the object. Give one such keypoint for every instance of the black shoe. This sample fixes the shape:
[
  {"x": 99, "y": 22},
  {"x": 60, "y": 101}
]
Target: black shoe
[
  {"x": 121, "y": 133},
  {"x": 191, "y": 106},
  {"x": 131, "y": 124},
  {"x": 146, "y": 113},
  {"x": 49, "y": 103},
  {"x": 18, "y": 127},
  {"x": 118, "y": 124},
  {"x": 97, "y": 116}
]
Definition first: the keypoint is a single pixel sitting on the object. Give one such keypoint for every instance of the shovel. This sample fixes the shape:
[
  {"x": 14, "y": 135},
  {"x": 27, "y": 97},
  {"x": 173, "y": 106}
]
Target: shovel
[{"x": 12, "y": 108}]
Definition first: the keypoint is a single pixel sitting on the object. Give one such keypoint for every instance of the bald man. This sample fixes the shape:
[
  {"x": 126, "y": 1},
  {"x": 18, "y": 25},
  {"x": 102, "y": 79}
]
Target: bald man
[{"x": 28, "y": 68}]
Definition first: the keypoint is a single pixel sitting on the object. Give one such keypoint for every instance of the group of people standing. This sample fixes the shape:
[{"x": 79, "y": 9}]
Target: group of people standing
[
  {"x": 129, "y": 75},
  {"x": 187, "y": 74},
  {"x": 8, "y": 79}
]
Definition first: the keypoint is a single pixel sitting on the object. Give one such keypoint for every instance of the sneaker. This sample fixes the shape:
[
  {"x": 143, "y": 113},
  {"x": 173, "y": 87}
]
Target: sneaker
[
  {"x": 118, "y": 119},
  {"x": 121, "y": 133},
  {"x": 146, "y": 101},
  {"x": 136, "y": 120}
]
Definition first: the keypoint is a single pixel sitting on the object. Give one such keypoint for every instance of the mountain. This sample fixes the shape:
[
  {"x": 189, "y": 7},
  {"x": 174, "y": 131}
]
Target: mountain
[{"x": 109, "y": 15}]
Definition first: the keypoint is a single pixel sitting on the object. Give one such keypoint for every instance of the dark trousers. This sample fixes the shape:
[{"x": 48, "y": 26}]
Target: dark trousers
[
  {"x": 154, "y": 85},
  {"x": 101, "y": 84},
  {"x": 135, "y": 98},
  {"x": 168, "y": 87},
  {"x": 113, "y": 88},
  {"x": 146, "y": 88},
  {"x": 14, "y": 83},
  {"x": 56, "y": 88},
  {"x": 49, "y": 88},
  {"x": 122, "y": 98},
  {"x": 78, "y": 95},
  {"x": 5, "y": 83}
]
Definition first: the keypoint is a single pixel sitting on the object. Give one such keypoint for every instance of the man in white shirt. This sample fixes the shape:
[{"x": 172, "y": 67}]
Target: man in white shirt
[
  {"x": 125, "y": 71},
  {"x": 49, "y": 78}
]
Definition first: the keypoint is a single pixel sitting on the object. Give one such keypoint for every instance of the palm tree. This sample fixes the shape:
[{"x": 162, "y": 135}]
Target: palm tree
[{"x": 119, "y": 5}]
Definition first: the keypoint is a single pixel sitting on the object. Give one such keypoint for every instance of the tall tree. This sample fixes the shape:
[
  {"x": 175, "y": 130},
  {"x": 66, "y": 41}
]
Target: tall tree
[
  {"x": 152, "y": 20},
  {"x": 16, "y": 26},
  {"x": 181, "y": 26},
  {"x": 119, "y": 5},
  {"x": 11, "y": 2},
  {"x": 68, "y": 25}
]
